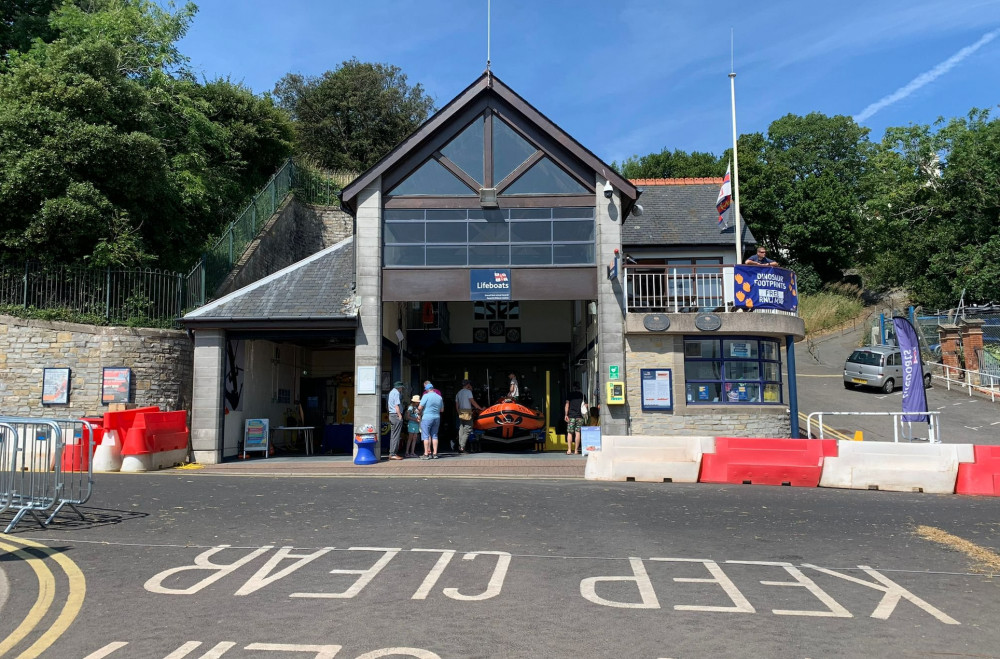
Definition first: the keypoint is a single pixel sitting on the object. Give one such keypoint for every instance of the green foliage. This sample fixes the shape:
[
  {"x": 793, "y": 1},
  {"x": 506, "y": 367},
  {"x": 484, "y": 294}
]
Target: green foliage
[
  {"x": 23, "y": 21},
  {"x": 350, "y": 117},
  {"x": 675, "y": 164}
]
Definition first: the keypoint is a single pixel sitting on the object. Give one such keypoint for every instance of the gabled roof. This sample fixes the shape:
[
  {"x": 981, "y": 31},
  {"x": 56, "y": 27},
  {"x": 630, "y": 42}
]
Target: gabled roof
[
  {"x": 680, "y": 212},
  {"x": 487, "y": 84},
  {"x": 315, "y": 292}
]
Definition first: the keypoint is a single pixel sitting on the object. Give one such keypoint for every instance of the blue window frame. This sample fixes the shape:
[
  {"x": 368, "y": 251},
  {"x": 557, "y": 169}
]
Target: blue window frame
[{"x": 732, "y": 370}]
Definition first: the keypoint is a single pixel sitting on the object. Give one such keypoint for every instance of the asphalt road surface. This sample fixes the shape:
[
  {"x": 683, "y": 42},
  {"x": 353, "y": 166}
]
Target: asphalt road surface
[
  {"x": 185, "y": 565},
  {"x": 820, "y": 369}
]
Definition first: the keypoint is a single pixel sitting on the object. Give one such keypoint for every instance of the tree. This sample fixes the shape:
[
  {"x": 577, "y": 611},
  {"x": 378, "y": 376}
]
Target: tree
[
  {"x": 22, "y": 21},
  {"x": 675, "y": 164},
  {"x": 350, "y": 117}
]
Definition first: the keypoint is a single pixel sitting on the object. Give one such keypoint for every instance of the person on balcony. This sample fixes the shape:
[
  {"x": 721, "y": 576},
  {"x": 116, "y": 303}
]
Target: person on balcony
[{"x": 761, "y": 258}]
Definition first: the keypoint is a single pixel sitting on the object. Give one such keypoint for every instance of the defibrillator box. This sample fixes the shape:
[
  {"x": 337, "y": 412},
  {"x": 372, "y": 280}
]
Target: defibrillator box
[{"x": 616, "y": 393}]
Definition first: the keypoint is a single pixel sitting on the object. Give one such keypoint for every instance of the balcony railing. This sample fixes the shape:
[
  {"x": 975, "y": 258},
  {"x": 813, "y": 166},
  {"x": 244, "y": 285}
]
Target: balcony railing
[{"x": 682, "y": 289}]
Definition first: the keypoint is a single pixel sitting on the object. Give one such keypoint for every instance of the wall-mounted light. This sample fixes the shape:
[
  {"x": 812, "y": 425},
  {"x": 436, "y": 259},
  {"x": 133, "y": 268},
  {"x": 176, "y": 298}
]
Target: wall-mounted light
[{"x": 488, "y": 198}]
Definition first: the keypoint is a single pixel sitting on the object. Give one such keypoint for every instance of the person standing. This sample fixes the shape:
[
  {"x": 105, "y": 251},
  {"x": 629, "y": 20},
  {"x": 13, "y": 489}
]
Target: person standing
[
  {"x": 514, "y": 390},
  {"x": 412, "y": 426},
  {"x": 395, "y": 420},
  {"x": 574, "y": 420},
  {"x": 761, "y": 258},
  {"x": 429, "y": 412},
  {"x": 465, "y": 402}
]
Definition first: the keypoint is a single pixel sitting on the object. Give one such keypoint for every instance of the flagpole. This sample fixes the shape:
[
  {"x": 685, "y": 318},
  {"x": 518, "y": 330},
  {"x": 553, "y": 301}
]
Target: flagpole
[{"x": 736, "y": 175}]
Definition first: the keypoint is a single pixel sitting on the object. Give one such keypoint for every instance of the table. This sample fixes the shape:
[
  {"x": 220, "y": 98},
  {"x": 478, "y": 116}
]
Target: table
[{"x": 307, "y": 430}]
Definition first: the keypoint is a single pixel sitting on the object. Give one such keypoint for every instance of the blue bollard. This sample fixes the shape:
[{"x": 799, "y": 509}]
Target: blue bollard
[{"x": 366, "y": 450}]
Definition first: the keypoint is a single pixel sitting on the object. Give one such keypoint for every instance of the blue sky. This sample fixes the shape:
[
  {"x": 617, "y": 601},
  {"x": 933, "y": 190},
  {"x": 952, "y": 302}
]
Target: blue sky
[{"x": 634, "y": 76}]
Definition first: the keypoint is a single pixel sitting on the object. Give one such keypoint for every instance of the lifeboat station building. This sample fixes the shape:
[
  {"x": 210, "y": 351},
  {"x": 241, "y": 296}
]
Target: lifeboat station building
[{"x": 491, "y": 242}]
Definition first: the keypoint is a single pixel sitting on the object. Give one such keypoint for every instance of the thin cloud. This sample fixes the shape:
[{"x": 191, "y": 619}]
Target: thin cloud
[{"x": 926, "y": 78}]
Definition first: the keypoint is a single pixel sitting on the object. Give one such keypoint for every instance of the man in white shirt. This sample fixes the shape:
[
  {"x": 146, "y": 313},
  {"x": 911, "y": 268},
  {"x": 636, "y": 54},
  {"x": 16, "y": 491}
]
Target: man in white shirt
[
  {"x": 514, "y": 391},
  {"x": 395, "y": 420}
]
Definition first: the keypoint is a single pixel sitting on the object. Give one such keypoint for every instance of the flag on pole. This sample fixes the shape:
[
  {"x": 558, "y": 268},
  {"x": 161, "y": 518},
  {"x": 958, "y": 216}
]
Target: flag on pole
[{"x": 725, "y": 195}]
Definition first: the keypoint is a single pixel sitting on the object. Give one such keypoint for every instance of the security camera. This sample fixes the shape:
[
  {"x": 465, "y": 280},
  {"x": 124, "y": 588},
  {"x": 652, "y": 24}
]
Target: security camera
[
  {"x": 637, "y": 210},
  {"x": 608, "y": 190}
]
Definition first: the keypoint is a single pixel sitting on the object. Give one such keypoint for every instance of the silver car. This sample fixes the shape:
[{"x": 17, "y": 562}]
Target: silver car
[{"x": 876, "y": 366}]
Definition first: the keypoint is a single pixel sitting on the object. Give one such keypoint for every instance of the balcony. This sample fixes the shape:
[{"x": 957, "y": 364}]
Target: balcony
[{"x": 686, "y": 289}]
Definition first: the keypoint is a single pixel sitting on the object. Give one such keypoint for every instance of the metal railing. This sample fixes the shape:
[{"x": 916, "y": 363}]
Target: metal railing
[
  {"x": 681, "y": 289},
  {"x": 933, "y": 424},
  {"x": 981, "y": 381},
  {"x": 132, "y": 296}
]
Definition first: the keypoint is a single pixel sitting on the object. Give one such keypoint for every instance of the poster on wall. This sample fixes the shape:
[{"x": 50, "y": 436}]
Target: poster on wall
[
  {"x": 55, "y": 386},
  {"x": 116, "y": 384},
  {"x": 366, "y": 380},
  {"x": 233, "y": 385},
  {"x": 657, "y": 389}
]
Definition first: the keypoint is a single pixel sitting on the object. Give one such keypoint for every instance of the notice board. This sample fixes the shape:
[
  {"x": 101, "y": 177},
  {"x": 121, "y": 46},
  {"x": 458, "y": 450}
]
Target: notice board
[
  {"x": 256, "y": 433},
  {"x": 657, "y": 389}
]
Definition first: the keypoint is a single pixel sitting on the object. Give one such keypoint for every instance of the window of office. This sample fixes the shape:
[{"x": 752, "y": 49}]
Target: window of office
[{"x": 732, "y": 371}]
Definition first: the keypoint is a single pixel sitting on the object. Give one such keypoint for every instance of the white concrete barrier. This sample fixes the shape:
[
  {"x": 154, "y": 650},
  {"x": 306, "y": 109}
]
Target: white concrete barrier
[
  {"x": 648, "y": 458},
  {"x": 108, "y": 454},
  {"x": 898, "y": 467}
]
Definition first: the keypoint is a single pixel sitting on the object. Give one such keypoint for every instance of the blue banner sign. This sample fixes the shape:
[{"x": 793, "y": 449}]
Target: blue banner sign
[
  {"x": 763, "y": 287},
  {"x": 492, "y": 284},
  {"x": 914, "y": 396}
]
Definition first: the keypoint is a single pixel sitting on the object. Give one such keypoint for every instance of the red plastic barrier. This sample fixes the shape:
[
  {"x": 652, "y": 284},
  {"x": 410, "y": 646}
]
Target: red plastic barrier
[
  {"x": 152, "y": 431},
  {"x": 981, "y": 477},
  {"x": 766, "y": 461}
]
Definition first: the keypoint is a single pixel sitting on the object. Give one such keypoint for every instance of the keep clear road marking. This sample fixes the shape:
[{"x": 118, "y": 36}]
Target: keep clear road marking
[{"x": 46, "y": 594}]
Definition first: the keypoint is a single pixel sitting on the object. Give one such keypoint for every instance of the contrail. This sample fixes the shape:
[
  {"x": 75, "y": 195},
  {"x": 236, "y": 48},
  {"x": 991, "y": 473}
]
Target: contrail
[{"x": 926, "y": 77}]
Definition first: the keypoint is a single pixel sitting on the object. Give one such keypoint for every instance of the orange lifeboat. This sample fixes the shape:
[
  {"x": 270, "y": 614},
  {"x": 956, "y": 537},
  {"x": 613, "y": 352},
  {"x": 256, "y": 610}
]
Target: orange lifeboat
[{"x": 509, "y": 418}]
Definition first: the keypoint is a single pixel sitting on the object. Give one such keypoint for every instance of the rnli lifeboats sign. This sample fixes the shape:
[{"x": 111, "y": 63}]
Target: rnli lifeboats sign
[{"x": 492, "y": 284}]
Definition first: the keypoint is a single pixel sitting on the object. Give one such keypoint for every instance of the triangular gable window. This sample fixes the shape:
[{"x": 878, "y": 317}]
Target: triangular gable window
[
  {"x": 545, "y": 177},
  {"x": 431, "y": 178},
  {"x": 509, "y": 150},
  {"x": 466, "y": 150}
]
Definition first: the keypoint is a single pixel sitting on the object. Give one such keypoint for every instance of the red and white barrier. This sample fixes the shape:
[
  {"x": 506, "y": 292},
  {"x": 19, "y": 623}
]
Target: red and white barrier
[
  {"x": 655, "y": 459},
  {"x": 766, "y": 461},
  {"x": 898, "y": 467},
  {"x": 981, "y": 477}
]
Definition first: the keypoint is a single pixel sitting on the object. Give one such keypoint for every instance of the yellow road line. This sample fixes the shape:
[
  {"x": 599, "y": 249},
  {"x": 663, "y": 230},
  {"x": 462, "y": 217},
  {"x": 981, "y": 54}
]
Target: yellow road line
[
  {"x": 827, "y": 430},
  {"x": 71, "y": 609},
  {"x": 46, "y": 593},
  {"x": 986, "y": 560}
]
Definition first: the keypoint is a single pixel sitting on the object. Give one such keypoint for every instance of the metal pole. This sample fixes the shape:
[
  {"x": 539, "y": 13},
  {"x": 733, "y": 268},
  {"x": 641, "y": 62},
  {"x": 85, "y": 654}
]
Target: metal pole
[
  {"x": 736, "y": 175},
  {"x": 107, "y": 298},
  {"x": 793, "y": 392},
  {"x": 26, "y": 283}
]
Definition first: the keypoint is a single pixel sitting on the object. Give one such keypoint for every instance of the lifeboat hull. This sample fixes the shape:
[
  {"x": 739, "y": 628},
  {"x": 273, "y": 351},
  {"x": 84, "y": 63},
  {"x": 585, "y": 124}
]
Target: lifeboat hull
[{"x": 508, "y": 419}]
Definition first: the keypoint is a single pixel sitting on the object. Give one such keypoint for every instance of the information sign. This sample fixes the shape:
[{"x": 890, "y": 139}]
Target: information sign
[
  {"x": 613, "y": 372},
  {"x": 256, "y": 435},
  {"x": 657, "y": 389},
  {"x": 492, "y": 284}
]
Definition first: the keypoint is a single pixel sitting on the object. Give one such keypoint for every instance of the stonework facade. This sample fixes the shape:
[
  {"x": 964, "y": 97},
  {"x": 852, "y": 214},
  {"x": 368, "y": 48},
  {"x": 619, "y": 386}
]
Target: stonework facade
[{"x": 160, "y": 360}]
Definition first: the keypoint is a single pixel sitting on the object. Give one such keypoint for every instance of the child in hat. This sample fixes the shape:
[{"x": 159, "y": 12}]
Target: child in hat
[{"x": 412, "y": 426}]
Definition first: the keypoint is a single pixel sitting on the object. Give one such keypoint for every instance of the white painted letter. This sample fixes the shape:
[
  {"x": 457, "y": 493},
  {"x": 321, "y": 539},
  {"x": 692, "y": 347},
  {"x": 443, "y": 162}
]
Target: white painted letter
[
  {"x": 741, "y": 605},
  {"x": 202, "y": 562},
  {"x": 186, "y": 649},
  {"x": 801, "y": 580},
  {"x": 321, "y": 651},
  {"x": 399, "y": 652},
  {"x": 363, "y": 580},
  {"x": 588, "y": 588},
  {"x": 892, "y": 593},
  {"x": 434, "y": 574},
  {"x": 496, "y": 580},
  {"x": 262, "y": 578}
]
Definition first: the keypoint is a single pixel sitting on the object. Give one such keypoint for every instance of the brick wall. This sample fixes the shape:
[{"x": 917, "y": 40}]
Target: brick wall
[{"x": 161, "y": 363}]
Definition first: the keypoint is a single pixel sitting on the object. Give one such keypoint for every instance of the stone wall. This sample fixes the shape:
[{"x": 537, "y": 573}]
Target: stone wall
[
  {"x": 161, "y": 363},
  {"x": 294, "y": 232},
  {"x": 667, "y": 351}
]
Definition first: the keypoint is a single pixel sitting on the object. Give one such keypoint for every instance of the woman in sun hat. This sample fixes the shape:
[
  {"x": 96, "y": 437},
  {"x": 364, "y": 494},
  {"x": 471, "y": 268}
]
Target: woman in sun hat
[
  {"x": 412, "y": 426},
  {"x": 430, "y": 419}
]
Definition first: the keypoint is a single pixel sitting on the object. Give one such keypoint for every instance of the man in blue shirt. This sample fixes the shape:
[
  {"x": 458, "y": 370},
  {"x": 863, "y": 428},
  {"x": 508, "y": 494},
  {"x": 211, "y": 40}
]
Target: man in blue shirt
[
  {"x": 395, "y": 420},
  {"x": 430, "y": 409},
  {"x": 761, "y": 258}
]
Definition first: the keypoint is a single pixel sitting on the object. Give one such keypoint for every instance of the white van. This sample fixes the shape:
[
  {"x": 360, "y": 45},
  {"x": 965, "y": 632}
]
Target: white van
[{"x": 876, "y": 366}]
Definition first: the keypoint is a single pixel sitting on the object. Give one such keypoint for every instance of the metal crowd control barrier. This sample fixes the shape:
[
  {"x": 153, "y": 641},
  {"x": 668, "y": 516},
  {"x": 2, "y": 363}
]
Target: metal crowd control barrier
[
  {"x": 34, "y": 456},
  {"x": 75, "y": 469},
  {"x": 933, "y": 424},
  {"x": 8, "y": 439}
]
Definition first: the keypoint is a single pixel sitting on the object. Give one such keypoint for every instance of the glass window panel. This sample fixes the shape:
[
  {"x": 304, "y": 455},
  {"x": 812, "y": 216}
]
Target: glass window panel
[
  {"x": 466, "y": 150},
  {"x": 491, "y": 214},
  {"x": 531, "y": 232},
  {"x": 706, "y": 370},
  {"x": 489, "y": 255},
  {"x": 404, "y": 232},
  {"x": 704, "y": 392},
  {"x": 400, "y": 256},
  {"x": 447, "y": 214},
  {"x": 432, "y": 178},
  {"x": 573, "y": 230},
  {"x": 489, "y": 232},
  {"x": 530, "y": 213},
  {"x": 452, "y": 255},
  {"x": 706, "y": 348},
  {"x": 740, "y": 349},
  {"x": 446, "y": 232},
  {"x": 769, "y": 350},
  {"x": 586, "y": 213},
  {"x": 742, "y": 370},
  {"x": 545, "y": 177},
  {"x": 742, "y": 392},
  {"x": 573, "y": 254},
  {"x": 531, "y": 255},
  {"x": 403, "y": 214},
  {"x": 509, "y": 150},
  {"x": 772, "y": 393},
  {"x": 772, "y": 371}
]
